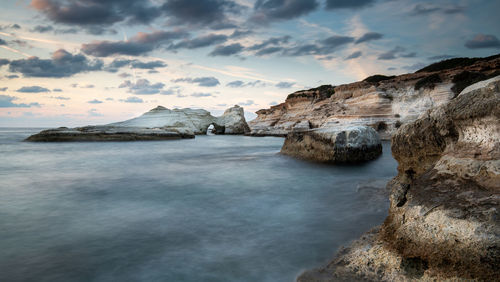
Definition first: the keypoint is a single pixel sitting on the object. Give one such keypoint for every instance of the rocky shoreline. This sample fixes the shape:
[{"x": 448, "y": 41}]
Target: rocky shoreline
[{"x": 443, "y": 218}]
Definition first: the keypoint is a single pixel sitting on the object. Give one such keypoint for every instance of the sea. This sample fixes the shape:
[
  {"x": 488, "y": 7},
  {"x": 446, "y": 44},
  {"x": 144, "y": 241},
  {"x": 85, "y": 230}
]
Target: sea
[{"x": 213, "y": 208}]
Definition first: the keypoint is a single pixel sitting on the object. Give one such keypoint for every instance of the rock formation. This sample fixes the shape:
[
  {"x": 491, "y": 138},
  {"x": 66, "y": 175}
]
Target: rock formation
[
  {"x": 233, "y": 121},
  {"x": 443, "y": 218},
  {"x": 334, "y": 144},
  {"x": 382, "y": 102},
  {"x": 159, "y": 123}
]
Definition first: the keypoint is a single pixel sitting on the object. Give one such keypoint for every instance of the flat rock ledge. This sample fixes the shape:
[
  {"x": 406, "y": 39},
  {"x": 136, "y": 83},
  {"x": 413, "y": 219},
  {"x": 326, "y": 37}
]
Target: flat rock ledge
[
  {"x": 107, "y": 133},
  {"x": 334, "y": 144},
  {"x": 443, "y": 222}
]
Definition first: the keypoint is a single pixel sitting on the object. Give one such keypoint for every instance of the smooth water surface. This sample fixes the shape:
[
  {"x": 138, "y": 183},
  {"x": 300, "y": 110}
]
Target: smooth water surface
[{"x": 214, "y": 208}]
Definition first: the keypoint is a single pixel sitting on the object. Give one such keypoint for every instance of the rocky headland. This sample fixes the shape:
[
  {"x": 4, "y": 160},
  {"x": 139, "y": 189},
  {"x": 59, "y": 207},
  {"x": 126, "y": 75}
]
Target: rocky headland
[
  {"x": 159, "y": 123},
  {"x": 443, "y": 217},
  {"x": 382, "y": 102}
]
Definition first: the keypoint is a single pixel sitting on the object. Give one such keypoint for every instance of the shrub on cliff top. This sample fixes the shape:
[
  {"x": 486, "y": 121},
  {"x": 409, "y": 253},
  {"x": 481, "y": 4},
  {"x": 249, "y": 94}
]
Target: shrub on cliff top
[
  {"x": 377, "y": 78},
  {"x": 464, "y": 79},
  {"x": 455, "y": 63},
  {"x": 428, "y": 82}
]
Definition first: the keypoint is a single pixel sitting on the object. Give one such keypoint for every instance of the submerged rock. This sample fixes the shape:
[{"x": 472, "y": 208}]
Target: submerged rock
[
  {"x": 443, "y": 218},
  {"x": 334, "y": 144},
  {"x": 159, "y": 123}
]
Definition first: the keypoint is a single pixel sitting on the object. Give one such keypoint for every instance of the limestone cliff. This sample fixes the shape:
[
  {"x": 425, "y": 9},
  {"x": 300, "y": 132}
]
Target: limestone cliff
[
  {"x": 378, "y": 101},
  {"x": 443, "y": 218}
]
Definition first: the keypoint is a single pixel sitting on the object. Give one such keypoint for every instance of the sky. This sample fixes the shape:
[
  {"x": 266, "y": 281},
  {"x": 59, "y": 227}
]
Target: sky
[{"x": 81, "y": 62}]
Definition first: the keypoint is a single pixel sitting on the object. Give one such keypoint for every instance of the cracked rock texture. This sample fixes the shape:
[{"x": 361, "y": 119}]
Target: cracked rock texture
[{"x": 443, "y": 218}]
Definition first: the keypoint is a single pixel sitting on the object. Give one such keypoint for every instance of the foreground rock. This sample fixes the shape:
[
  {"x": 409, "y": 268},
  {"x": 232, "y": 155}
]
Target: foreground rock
[
  {"x": 335, "y": 144},
  {"x": 382, "y": 102},
  {"x": 443, "y": 219},
  {"x": 159, "y": 123}
]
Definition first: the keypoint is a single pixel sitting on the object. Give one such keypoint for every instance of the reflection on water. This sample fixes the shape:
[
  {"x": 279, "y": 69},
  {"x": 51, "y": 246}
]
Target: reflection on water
[{"x": 214, "y": 208}]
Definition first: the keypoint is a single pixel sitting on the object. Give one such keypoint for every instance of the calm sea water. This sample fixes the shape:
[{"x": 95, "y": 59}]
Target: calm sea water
[{"x": 214, "y": 208}]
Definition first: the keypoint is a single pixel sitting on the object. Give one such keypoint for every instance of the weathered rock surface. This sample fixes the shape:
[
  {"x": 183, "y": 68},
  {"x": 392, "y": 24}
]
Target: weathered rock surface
[
  {"x": 334, "y": 144},
  {"x": 443, "y": 218},
  {"x": 378, "y": 101},
  {"x": 159, "y": 123}
]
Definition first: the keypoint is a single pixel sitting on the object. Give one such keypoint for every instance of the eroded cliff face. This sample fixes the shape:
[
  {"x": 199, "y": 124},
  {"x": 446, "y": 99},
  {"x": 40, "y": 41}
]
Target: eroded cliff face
[
  {"x": 443, "y": 218},
  {"x": 385, "y": 103}
]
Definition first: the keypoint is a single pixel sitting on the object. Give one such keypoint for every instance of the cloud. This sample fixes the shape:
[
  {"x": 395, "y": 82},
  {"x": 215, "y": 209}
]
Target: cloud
[
  {"x": 211, "y": 13},
  {"x": 266, "y": 11},
  {"x": 321, "y": 47},
  {"x": 285, "y": 84},
  {"x": 481, "y": 41},
  {"x": 96, "y": 12},
  {"x": 354, "y": 55},
  {"x": 427, "y": 8},
  {"x": 199, "y": 42},
  {"x": 391, "y": 55},
  {"x": 4, "y": 62},
  {"x": 140, "y": 44},
  {"x": 3, "y": 89},
  {"x": 88, "y": 86},
  {"x": 142, "y": 87},
  {"x": 94, "y": 113},
  {"x": 200, "y": 95},
  {"x": 42, "y": 28},
  {"x": 132, "y": 99},
  {"x": 227, "y": 50},
  {"x": 240, "y": 84},
  {"x": 241, "y": 33},
  {"x": 119, "y": 63},
  {"x": 414, "y": 67},
  {"x": 269, "y": 51},
  {"x": 409, "y": 55},
  {"x": 12, "y": 76},
  {"x": 441, "y": 57},
  {"x": 61, "y": 98},
  {"x": 369, "y": 36},
  {"x": 247, "y": 103},
  {"x": 62, "y": 64},
  {"x": 32, "y": 89},
  {"x": 347, "y": 4},
  {"x": 273, "y": 41},
  {"x": 57, "y": 90},
  {"x": 3, "y": 42},
  {"x": 7, "y": 102},
  {"x": 95, "y": 101},
  {"x": 175, "y": 90},
  {"x": 201, "y": 81}
]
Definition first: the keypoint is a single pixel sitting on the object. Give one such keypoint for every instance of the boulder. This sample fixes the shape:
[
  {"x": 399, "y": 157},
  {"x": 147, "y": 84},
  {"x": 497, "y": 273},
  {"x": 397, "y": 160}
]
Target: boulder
[
  {"x": 334, "y": 144},
  {"x": 443, "y": 218}
]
